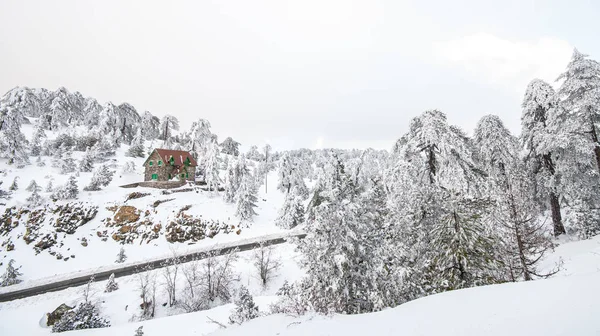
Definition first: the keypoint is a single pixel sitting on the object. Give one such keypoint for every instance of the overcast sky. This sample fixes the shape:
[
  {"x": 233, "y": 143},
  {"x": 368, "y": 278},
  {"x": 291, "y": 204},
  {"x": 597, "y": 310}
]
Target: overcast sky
[{"x": 305, "y": 73}]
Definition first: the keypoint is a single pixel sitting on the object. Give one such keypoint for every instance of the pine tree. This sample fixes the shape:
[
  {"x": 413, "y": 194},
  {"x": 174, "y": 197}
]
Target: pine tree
[
  {"x": 245, "y": 309},
  {"x": 11, "y": 275},
  {"x": 137, "y": 146},
  {"x": 150, "y": 126},
  {"x": 111, "y": 285},
  {"x": 580, "y": 91},
  {"x": 67, "y": 163},
  {"x": 168, "y": 124},
  {"x": 13, "y": 143},
  {"x": 340, "y": 253},
  {"x": 69, "y": 191},
  {"x": 230, "y": 147},
  {"x": 36, "y": 141},
  {"x": 539, "y": 105},
  {"x": 101, "y": 177},
  {"x": 33, "y": 186},
  {"x": 49, "y": 186},
  {"x": 290, "y": 176},
  {"x": 14, "y": 185},
  {"x": 230, "y": 183},
  {"x": 291, "y": 213},
  {"x": 246, "y": 199},
  {"x": 87, "y": 162},
  {"x": 514, "y": 216},
  {"x": 35, "y": 199},
  {"x": 121, "y": 257},
  {"x": 211, "y": 171}
]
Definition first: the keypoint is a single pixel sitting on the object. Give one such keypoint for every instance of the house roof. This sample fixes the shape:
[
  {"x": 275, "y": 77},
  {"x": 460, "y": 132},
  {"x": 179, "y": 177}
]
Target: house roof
[{"x": 178, "y": 156}]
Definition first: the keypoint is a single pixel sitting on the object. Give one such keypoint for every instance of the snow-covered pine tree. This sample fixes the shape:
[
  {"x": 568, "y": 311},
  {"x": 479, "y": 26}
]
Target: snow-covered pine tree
[
  {"x": 514, "y": 217},
  {"x": 168, "y": 124},
  {"x": 254, "y": 154},
  {"x": 580, "y": 93},
  {"x": 87, "y": 162},
  {"x": 33, "y": 186},
  {"x": 111, "y": 285},
  {"x": 69, "y": 191},
  {"x": 49, "y": 186},
  {"x": 101, "y": 177},
  {"x": 230, "y": 147},
  {"x": 139, "y": 331},
  {"x": 200, "y": 139},
  {"x": 539, "y": 104},
  {"x": 14, "y": 185},
  {"x": 121, "y": 257},
  {"x": 150, "y": 126},
  {"x": 137, "y": 145},
  {"x": 67, "y": 165},
  {"x": 37, "y": 140},
  {"x": 11, "y": 275},
  {"x": 35, "y": 199},
  {"x": 435, "y": 191},
  {"x": 339, "y": 255},
  {"x": 211, "y": 170},
  {"x": 290, "y": 175},
  {"x": 291, "y": 213},
  {"x": 237, "y": 170},
  {"x": 13, "y": 144},
  {"x": 245, "y": 308},
  {"x": 246, "y": 199}
]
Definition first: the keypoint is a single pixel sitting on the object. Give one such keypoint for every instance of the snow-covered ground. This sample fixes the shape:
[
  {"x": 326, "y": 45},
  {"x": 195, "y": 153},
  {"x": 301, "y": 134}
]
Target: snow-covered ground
[{"x": 567, "y": 304}]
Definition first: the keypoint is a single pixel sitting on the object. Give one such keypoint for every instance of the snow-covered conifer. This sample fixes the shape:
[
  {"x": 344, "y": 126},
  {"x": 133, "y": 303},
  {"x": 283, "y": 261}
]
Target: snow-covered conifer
[
  {"x": 87, "y": 161},
  {"x": 11, "y": 275},
  {"x": 290, "y": 176},
  {"x": 246, "y": 199},
  {"x": 139, "y": 331},
  {"x": 150, "y": 126},
  {"x": 69, "y": 191},
  {"x": 230, "y": 146},
  {"x": 121, "y": 257},
  {"x": 14, "y": 185},
  {"x": 37, "y": 140},
  {"x": 101, "y": 178},
  {"x": 33, "y": 186},
  {"x": 111, "y": 285},
  {"x": 13, "y": 143},
  {"x": 291, "y": 213},
  {"x": 245, "y": 308},
  {"x": 539, "y": 105},
  {"x": 49, "y": 186},
  {"x": 85, "y": 316},
  {"x": 67, "y": 163},
  {"x": 39, "y": 162},
  {"x": 168, "y": 124},
  {"x": 211, "y": 170},
  {"x": 137, "y": 145},
  {"x": 254, "y": 154},
  {"x": 35, "y": 199}
]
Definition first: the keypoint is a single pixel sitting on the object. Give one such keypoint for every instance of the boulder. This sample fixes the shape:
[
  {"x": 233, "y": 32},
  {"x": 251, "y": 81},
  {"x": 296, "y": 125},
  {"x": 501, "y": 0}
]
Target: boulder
[
  {"x": 126, "y": 214},
  {"x": 57, "y": 314}
]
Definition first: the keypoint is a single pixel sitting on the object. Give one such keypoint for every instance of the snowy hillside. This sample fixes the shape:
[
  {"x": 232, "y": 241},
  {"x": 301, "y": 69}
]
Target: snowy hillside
[
  {"x": 97, "y": 242},
  {"x": 567, "y": 304}
]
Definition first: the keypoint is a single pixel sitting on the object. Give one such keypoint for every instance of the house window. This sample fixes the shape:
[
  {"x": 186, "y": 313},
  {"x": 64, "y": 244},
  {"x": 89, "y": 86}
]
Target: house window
[
  {"x": 187, "y": 161},
  {"x": 150, "y": 163},
  {"x": 169, "y": 176},
  {"x": 159, "y": 163},
  {"x": 187, "y": 175},
  {"x": 182, "y": 175},
  {"x": 155, "y": 176},
  {"x": 172, "y": 161}
]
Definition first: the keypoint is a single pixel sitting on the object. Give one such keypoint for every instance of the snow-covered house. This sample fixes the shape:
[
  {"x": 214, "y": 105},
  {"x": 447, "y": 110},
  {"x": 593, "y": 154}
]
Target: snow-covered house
[{"x": 167, "y": 165}]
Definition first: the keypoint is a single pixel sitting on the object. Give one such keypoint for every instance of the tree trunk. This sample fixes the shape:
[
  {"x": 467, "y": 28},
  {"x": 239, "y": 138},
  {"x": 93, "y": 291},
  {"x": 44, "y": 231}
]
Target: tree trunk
[
  {"x": 431, "y": 163},
  {"x": 596, "y": 145},
  {"x": 556, "y": 216}
]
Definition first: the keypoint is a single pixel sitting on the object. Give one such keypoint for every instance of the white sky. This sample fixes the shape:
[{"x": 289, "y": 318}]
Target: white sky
[{"x": 306, "y": 73}]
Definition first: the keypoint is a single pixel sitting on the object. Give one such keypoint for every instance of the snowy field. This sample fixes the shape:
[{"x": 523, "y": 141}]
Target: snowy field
[{"x": 567, "y": 304}]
